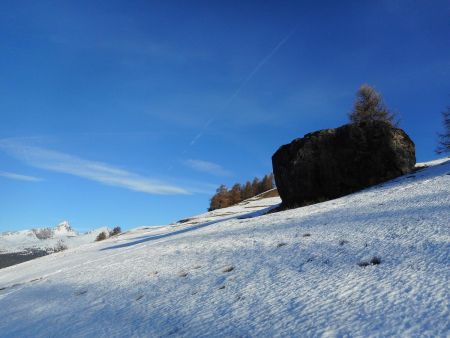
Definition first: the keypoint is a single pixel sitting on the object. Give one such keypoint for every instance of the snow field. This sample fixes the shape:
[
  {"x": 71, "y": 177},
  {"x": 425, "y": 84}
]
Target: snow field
[{"x": 233, "y": 272}]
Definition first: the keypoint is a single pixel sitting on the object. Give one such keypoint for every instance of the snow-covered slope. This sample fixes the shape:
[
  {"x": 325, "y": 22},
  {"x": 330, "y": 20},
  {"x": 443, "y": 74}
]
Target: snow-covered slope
[
  {"x": 302, "y": 272},
  {"x": 45, "y": 238}
]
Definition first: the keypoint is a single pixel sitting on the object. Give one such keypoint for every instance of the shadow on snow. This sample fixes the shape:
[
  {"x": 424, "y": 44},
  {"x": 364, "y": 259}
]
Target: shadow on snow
[{"x": 144, "y": 239}]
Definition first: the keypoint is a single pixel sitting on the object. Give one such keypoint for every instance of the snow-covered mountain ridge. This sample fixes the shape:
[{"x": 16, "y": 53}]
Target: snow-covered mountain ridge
[
  {"x": 306, "y": 272},
  {"x": 45, "y": 238}
]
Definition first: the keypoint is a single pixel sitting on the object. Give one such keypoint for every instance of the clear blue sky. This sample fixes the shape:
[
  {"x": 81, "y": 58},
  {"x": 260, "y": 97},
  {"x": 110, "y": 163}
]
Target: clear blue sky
[{"x": 132, "y": 112}]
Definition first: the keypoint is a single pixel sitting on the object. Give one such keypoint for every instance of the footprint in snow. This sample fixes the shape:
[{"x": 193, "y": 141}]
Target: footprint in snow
[
  {"x": 307, "y": 235},
  {"x": 182, "y": 274},
  {"x": 228, "y": 268},
  {"x": 220, "y": 281},
  {"x": 279, "y": 245}
]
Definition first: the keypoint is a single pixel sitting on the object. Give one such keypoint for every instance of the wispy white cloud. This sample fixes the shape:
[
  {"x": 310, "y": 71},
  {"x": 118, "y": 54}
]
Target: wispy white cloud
[
  {"x": 207, "y": 167},
  {"x": 92, "y": 170},
  {"x": 19, "y": 177},
  {"x": 196, "y": 187}
]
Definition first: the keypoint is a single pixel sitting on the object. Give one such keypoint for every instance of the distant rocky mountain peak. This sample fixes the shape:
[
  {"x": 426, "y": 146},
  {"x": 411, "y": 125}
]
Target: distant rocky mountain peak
[
  {"x": 64, "y": 225},
  {"x": 64, "y": 228}
]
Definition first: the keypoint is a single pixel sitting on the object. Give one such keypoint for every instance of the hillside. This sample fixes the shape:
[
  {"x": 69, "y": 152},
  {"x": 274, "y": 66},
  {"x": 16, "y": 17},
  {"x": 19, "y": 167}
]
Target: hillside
[{"x": 237, "y": 272}]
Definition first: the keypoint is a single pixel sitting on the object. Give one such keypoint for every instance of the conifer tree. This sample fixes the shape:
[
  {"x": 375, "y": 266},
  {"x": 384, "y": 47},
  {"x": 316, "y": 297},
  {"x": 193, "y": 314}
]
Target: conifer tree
[
  {"x": 267, "y": 182},
  {"x": 369, "y": 106},
  {"x": 223, "y": 196},
  {"x": 444, "y": 138},
  {"x": 256, "y": 186},
  {"x": 235, "y": 194},
  {"x": 214, "y": 203},
  {"x": 247, "y": 191}
]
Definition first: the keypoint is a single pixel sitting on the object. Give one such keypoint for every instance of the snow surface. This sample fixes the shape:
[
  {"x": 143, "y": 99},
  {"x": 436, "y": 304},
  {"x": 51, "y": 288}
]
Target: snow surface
[
  {"x": 233, "y": 272},
  {"x": 24, "y": 240}
]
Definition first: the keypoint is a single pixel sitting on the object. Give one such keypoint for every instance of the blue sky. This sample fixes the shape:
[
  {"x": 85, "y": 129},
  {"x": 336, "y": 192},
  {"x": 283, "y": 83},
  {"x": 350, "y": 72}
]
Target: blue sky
[{"x": 132, "y": 112}]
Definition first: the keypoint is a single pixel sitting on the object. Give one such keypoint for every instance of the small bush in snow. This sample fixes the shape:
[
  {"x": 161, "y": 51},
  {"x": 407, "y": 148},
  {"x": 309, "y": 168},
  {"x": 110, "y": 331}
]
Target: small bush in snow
[
  {"x": 60, "y": 246},
  {"x": 363, "y": 264},
  {"x": 101, "y": 236},
  {"x": 117, "y": 230},
  {"x": 373, "y": 261},
  {"x": 43, "y": 233}
]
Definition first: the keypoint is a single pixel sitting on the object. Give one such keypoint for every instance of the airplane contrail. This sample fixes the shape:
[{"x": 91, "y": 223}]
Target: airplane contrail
[
  {"x": 246, "y": 80},
  {"x": 260, "y": 64}
]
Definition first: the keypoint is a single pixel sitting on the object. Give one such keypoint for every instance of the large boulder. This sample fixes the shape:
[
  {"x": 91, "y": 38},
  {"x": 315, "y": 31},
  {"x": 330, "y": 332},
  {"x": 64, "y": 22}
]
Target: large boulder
[{"x": 334, "y": 162}]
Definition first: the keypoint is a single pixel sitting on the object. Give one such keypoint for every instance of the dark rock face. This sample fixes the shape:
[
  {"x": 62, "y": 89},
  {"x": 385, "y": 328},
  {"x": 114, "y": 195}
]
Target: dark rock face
[{"x": 335, "y": 162}]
